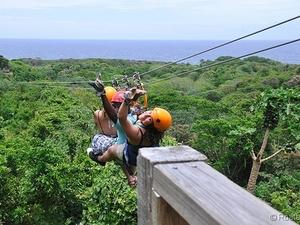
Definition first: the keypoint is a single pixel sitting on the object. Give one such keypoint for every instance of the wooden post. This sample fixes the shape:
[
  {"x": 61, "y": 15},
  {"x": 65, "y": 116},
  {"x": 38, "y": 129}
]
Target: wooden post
[
  {"x": 147, "y": 159},
  {"x": 163, "y": 213}
]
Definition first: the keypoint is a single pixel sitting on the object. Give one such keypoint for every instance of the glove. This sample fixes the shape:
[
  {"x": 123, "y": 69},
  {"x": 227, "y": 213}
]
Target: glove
[
  {"x": 98, "y": 86},
  {"x": 133, "y": 94}
]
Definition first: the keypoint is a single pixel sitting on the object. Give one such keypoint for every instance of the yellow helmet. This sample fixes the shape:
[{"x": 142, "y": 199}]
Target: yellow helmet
[
  {"x": 110, "y": 92},
  {"x": 162, "y": 119}
]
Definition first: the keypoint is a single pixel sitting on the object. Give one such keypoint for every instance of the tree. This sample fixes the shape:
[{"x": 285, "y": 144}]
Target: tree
[
  {"x": 276, "y": 104},
  {"x": 4, "y": 63}
]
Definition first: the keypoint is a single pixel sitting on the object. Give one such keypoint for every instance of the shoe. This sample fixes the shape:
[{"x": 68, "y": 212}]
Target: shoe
[
  {"x": 94, "y": 156},
  {"x": 88, "y": 150}
]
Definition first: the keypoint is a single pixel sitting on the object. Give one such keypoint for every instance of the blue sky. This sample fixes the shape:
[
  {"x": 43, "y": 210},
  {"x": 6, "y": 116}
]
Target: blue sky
[{"x": 147, "y": 19}]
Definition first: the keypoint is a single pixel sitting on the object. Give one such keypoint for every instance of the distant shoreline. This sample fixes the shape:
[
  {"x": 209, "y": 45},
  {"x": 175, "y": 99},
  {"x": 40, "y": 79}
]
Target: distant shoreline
[{"x": 142, "y": 50}]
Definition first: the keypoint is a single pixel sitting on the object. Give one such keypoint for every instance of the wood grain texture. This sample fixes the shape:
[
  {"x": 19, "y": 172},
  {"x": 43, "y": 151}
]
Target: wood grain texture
[
  {"x": 147, "y": 159},
  {"x": 164, "y": 214},
  {"x": 203, "y": 196},
  {"x": 171, "y": 154}
]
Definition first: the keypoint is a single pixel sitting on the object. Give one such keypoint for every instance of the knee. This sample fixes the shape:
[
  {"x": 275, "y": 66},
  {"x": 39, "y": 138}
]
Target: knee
[
  {"x": 110, "y": 154},
  {"x": 111, "y": 150}
]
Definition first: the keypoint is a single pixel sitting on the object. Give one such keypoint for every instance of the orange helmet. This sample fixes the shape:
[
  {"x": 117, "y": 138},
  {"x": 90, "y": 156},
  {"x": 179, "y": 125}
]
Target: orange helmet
[
  {"x": 162, "y": 119},
  {"x": 109, "y": 91},
  {"x": 118, "y": 97}
]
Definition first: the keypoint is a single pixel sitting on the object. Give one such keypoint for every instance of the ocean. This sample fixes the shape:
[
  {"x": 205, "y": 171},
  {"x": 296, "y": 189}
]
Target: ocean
[{"x": 150, "y": 50}]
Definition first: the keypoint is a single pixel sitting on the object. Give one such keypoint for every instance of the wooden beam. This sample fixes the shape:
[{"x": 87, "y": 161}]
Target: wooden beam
[{"x": 203, "y": 196}]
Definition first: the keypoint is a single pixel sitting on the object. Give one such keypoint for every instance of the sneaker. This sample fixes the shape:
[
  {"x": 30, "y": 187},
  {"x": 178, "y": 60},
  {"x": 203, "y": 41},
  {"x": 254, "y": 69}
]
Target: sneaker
[
  {"x": 88, "y": 150},
  {"x": 94, "y": 156}
]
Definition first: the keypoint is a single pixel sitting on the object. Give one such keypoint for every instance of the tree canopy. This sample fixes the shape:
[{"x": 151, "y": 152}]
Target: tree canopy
[{"x": 45, "y": 127}]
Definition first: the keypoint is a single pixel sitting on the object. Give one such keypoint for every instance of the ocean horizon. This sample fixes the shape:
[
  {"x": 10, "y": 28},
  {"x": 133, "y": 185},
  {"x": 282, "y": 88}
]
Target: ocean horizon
[{"x": 148, "y": 50}]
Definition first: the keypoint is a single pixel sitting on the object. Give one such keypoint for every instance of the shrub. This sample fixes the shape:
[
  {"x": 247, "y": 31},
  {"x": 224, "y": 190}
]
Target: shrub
[{"x": 110, "y": 200}]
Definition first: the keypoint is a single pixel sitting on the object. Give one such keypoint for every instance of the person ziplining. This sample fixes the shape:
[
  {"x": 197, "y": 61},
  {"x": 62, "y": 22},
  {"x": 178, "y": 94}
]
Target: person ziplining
[
  {"x": 107, "y": 132},
  {"x": 134, "y": 130}
]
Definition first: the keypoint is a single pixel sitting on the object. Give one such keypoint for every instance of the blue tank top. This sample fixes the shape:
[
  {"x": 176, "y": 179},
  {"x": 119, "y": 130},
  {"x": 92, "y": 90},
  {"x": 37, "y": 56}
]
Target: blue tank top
[{"x": 120, "y": 132}]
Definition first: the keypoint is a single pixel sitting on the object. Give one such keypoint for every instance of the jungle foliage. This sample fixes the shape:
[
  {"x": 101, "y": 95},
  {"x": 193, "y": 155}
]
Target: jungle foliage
[{"x": 47, "y": 178}]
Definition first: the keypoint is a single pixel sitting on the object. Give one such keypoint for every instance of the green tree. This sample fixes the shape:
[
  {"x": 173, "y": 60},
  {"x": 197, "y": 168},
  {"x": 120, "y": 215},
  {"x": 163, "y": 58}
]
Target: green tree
[
  {"x": 276, "y": 104},
  {"x": 4, "y": 63}
]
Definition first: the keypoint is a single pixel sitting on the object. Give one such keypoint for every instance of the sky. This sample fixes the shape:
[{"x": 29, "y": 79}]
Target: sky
[{"x": 147, "y": 19}]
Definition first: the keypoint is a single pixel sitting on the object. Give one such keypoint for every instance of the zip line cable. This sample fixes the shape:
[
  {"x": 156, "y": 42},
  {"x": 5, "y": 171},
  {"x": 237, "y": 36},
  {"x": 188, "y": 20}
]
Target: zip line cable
[
  {"x": 51, "y": 82},
  {"x": 216, "y": 47},
  {"x": 62, "y": 86},
  {"x": 57, "y": 82},
  {"x": 221, "y": 45},
  {"x": 226, "y": 61},
  {"x": 183, "y": 73},
  {"x": 28, "y": 84},
  {"x": 172, "y": 63}
]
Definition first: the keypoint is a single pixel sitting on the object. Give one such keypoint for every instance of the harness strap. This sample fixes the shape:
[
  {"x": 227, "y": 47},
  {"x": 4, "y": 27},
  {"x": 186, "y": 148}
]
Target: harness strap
[{"x": 142, "y": 136}]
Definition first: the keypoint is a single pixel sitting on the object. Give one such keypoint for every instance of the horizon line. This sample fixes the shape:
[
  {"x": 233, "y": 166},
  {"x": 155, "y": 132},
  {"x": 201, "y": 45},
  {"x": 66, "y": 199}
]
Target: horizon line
[{"x": 94, "y": 39}]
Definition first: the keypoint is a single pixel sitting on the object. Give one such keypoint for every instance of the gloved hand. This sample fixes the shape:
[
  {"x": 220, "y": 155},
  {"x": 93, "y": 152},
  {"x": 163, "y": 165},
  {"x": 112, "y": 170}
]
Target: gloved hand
[
  {"x": 133, "y": 94},
  {"x": 98, "y": 86}
]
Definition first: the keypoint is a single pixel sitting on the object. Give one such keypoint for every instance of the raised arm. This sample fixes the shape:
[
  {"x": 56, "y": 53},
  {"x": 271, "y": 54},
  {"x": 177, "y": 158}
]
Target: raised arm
[
  {"x": 132, "y": 131},
  {"x": 109, "y": 109}
]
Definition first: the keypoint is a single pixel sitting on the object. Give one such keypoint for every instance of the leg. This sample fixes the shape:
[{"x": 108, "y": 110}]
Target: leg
[
  {"x": 131, "y": 178},
  {"x": 109, "y": 155}
]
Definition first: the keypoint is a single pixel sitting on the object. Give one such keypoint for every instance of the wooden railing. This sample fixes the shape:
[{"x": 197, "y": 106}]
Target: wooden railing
[{"x": 177, "y": 187}]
